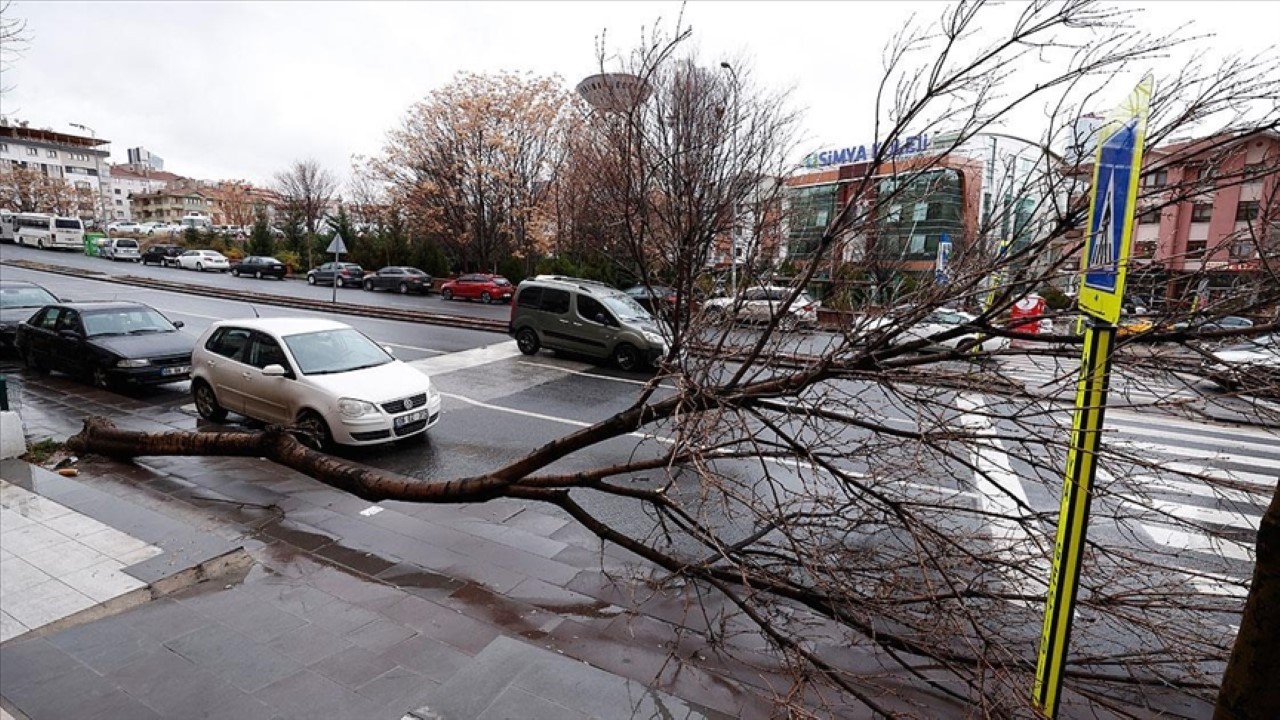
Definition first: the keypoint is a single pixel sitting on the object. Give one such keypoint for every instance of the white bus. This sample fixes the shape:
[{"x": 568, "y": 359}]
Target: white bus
[{"x": 49, "y": 232}]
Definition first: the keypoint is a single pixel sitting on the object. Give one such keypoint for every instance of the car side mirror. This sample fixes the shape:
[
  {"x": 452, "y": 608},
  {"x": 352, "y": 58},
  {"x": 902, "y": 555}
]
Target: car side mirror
[
  {"x": 65, "y": 300},
  {"x": 178, "y": 323},
  {"x": 388, "y": 350},
  {"x": 274, "y": 370}
]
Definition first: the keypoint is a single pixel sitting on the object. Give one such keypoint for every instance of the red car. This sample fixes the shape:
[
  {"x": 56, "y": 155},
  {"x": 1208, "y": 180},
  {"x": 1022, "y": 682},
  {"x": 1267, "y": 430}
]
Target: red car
[{"x": 478, "y": 286}]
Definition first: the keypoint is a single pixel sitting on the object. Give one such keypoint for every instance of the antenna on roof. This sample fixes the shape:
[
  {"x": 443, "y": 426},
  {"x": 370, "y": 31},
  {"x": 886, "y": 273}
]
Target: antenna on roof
[{"x": 255, "y": 311}]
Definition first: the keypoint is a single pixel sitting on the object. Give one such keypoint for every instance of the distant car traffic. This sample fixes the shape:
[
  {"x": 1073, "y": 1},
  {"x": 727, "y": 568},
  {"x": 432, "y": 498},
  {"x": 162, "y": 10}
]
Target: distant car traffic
[
  {"x": 402, "y": 279},
  {"x": 943, "y": 320},
  {"x": 19, "y": 300},
  {"x": 108, "y": 343},
  {"x": 259, "y": 267},
  {"x": 1229, "y": 322},
  {"x": 657, "y": 299},
  {"x": 478, "y": 286},
  {"x": 323, "y": 377},
  {"x": 761, "y": 304},
  {"x": 163, "y": 255},
  {"x": 1253, "y": 366},
  {"x": 123, "y": 227},
  {"x": 343, "y": 273},
  {"x": 203, "y": 260}
]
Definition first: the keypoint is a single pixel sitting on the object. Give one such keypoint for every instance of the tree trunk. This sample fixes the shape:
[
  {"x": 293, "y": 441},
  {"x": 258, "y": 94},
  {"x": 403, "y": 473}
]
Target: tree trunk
[{"x": 1251, "y": 685}]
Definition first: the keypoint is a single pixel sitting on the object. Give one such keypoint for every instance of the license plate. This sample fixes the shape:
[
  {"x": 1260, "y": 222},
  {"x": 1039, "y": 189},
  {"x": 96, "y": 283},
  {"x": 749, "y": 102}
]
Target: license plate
[
  {"x": 411, "y": 418},
  {"x": 176, "y": 370}
]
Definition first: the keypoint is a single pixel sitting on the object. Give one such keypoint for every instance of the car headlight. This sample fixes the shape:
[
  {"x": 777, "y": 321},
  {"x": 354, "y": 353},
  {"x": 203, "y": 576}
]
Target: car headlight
[
  {"x": 432, "y": 394},
  {"x": 133, "y": 363},
  {"x": 653, "y": 338},
  {"x": 352, "y": 408}
]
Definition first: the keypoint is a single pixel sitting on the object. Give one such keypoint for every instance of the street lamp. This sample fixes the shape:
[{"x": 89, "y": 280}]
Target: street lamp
[
  {"x": 97, "y": 162},
  {"x": 733, "y": 229}
]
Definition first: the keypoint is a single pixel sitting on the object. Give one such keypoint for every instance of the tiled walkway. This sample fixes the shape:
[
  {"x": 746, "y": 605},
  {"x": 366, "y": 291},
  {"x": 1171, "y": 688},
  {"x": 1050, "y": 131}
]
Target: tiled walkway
[{"x": 55, "y": 562}]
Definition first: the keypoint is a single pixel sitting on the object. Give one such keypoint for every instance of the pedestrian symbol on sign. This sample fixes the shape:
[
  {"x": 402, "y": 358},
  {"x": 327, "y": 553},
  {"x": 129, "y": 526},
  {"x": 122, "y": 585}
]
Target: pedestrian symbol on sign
[{"x": 1102, "y": 257}]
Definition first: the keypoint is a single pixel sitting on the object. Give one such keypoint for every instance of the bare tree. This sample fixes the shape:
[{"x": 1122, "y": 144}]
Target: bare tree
[
  {"x": 306, "y": 191},
  {"x": 859, "y": 493},
  {"x": 13, "y": 41}
]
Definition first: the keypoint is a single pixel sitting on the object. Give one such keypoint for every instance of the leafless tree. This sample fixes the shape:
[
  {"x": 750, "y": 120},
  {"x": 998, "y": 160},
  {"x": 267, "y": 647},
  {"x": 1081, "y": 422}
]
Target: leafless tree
[
  {"x": 306, "y": 191},
  {"x": 13, "y": 41},
  {"x": 849, "y": 491}
]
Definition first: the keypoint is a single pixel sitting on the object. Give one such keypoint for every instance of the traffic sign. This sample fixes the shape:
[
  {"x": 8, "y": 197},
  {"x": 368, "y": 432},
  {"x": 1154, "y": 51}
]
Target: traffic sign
[
  {"x": 336, "y": 246},
  {"x": 1113, "y": 199},
  {"x": 944, "y": 260}
]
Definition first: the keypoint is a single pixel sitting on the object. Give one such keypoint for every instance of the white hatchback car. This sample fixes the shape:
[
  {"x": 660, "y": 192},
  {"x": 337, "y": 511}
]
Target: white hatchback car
[
  {"x": 203, "y": 260},
  {"x": 321, "y": 376}
]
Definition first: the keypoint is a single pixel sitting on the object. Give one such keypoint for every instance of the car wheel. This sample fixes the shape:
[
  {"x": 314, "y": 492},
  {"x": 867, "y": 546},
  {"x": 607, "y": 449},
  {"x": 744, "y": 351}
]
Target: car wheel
[
  {"x": 207, "y": 402},
  {"x": 199, "y": 267},
  {"x": 486, "y": 298},
  {"x": 257, "y": 274},
  {"x": 40, "y": 244},
  {"x": 235, "y": 273},
  {"x": 788, "y": 323},
  {"x": 527, "y": 341},
  {"x": 312, "y": 431},
  {"x": 368, "y": 285},
  {"x": 404, "y": 289},
  {"x": 447, "y": 294},
  {"x": 311, "y": 279},
  {"x": 101, "y": 378},
  {"x": 34, "y": 365},
  {"x": 626, "y": 357}
]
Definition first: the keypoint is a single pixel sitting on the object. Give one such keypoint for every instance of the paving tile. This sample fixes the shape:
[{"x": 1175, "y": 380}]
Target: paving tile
[
  {"x": 10, "y": 628},
  {"x": 431, "y": 658},
  {"x": 65, "y": 558},
  {"x": 28, "y": 661},
  {"x": 511, "y": 536},
  {"x": 12, "y": 520},
  {"x": 420, "y": 581},
  {"x": 496, "y": 578},
  {"x": 395, "y": 688},
  {"x": 341, "y": 617},
  {"x": 165, "y": 619},
  {"x": 465, "y": 633},
  {"x": 112, "y": 542},
  {"x": 17, "y": 574},
  {"x": 118, "y": 706},
  {"x": 32, "y": 506},
  {"x": 31, "y": 538},
  {"x": 103, "y": 580},
  {"x": 75, "y": 525},
  {"x": 309, "y": 644},
  {"x": 104, "y": 644},
  {"x": 355, "y": 589},
  {"x": 242, "y": 662},
  {"x": 352, "y": 667},
  {"x": 291, "y": 597},
  {"x": 516, "y": 704},
  {"x": 380, "y": 635},
  {"x": 309, "y": 695},
  {"x": 261, "y": 620},
  {"x": 46, "y": 602},
  {"x": 72, "y": 692}
]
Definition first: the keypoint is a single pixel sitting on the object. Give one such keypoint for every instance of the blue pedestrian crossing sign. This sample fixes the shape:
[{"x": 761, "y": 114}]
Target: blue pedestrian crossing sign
[{"x": 1111, "y": 207}]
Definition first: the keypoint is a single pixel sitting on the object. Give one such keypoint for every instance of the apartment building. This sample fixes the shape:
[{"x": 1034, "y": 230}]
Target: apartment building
[
  {"x": 126, "y": 181},
  {"x": 78, "y": 160},
  {"x": 179, "y": 199}
]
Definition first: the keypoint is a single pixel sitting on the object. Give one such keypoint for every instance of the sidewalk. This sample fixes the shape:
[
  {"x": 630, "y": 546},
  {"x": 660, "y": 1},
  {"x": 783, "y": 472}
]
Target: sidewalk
[{"x": 347, "y": 610}]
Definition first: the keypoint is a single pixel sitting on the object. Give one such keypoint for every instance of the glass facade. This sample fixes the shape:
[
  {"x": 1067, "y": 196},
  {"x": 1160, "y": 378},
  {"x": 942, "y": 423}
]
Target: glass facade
[
  {"x": 912, "y": 214},
  {"x": 811, "y": 209}
]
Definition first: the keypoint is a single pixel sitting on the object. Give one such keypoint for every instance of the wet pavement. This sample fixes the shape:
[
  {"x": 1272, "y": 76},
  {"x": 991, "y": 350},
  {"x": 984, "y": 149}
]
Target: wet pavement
[{"x": 352, "y": 610}]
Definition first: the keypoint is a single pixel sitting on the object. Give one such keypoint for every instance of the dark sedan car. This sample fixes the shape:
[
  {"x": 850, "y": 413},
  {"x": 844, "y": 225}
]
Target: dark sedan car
[
  {"x": 402, "y": 279},
  {"x": 109, "y": 343},
  {"x": 259, "y": 267},
  {"x": 19, "y": 300},
  {"x": 163, "y": 255}
]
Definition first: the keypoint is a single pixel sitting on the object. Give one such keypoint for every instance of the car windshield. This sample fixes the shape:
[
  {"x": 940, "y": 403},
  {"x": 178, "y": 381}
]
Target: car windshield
[
  {"x": 127, "y": 321},
  {"x": 625, "y": 307},
  {"x": 501, "y": 281},
  {"x": 23, "y": 297},
  {"x": 413, "y": 271},
  {"x": 335, "y": 351}
]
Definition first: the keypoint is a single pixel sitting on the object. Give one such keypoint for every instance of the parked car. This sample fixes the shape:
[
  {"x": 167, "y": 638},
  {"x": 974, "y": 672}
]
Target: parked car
[
  {"x": 259, "y": 267},
  {"x": 402, "y": 279},
  {"x": 478, "y": 286},
  {"x": 321, "y": 376},
  {"x": 203, "y": 260},
  {"x": 343, "y": 273},
  {"x": 657, "y": 299},
  {"x": 123, "y": 227},
  {"x": 1253, "y": 366},
  {"x": 19, "y": 300},
  {"x": 163, "y": 255},
  {"x": 120, "y": 249},
  {"x": 940, "y": 321},
  {"x": 761, "y": 304},
  {"x": 109, "y": 343},
  {"x": 1229, "y": 322},
  {"x": 585, "y": 317},
  {"x": 153, "y": 228}
]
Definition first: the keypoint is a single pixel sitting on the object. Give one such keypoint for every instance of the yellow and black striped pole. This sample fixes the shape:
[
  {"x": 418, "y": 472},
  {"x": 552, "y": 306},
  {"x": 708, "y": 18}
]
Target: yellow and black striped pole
[{"x": 1073, "y": 517}]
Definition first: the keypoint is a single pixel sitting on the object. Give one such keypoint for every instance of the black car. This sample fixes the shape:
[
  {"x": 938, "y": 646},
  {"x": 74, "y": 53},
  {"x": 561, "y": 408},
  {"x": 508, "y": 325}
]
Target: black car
[
  {"x": 259, "y": 267},
  {"x": 402, "y": 279},
  {"x": 19, "y": 300},
  {"x": 108, "y": 343},
  {"x": 163, "y": 255},
  {"x": 342, "y": 273}
]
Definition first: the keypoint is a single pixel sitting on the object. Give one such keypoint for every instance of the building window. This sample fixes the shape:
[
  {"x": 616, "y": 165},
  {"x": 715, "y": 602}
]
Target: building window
[
  {"x": 53, "y": 153},
  {"x": 117, "y": 191},
  {"x": 1201, "y": 212},
  {"x": 120, "y": 202},
  {"x": 1247, "y": 211},
  {"x": 1150, "y": 217},
  {"x": 4, "y": 147},
  {"x": 1144, "y": 250},
  {"x": 1157, "y": 178},
  {"x": 1195, "y": 249},
  {"x": 1243, "y": 250},
  {"x": 33, "y": 151},
  {"x": 1253, "y": 170}
]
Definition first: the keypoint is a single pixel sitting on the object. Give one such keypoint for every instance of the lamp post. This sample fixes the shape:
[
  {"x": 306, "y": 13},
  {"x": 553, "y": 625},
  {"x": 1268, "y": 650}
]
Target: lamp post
[
  {"x": 100, "y": 205},
  {"x": 733, "y": 230}
]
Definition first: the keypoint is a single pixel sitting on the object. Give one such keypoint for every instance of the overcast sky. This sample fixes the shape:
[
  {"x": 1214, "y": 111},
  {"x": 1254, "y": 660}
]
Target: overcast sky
[{"x": 240, "y": 89}]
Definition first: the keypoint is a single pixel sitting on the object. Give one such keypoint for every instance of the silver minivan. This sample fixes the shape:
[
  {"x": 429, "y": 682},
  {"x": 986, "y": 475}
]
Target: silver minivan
[
  {"x": 584, "y": 317},
  {"x": 120, "y": 249}
]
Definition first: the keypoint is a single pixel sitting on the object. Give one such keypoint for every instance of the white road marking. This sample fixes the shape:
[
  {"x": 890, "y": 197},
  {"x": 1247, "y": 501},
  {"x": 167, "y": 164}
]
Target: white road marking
[
  {"x": 1197, "y": 453},
  {"x": 467, "y": 358},
  {"x": 371, "y": 511}
]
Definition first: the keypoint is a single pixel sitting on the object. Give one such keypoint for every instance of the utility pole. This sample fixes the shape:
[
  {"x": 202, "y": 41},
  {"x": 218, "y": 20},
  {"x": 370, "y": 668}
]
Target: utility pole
[
  {"x": 733, "y": 230},
  {"x": 101, "y": 204}
]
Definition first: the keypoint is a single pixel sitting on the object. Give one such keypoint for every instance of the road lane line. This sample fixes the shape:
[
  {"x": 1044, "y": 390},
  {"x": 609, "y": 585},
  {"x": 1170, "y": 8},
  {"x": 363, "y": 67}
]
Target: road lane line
[{"x": 467, "y": 359}]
